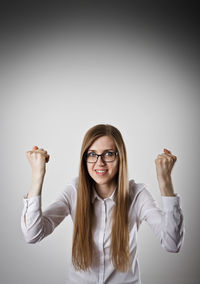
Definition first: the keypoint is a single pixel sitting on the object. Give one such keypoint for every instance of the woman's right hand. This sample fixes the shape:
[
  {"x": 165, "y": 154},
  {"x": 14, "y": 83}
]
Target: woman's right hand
[{"x": 38, "y": 159}]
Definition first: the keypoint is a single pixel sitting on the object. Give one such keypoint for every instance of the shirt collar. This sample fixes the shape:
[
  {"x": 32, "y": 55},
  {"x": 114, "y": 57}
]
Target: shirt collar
[{"x": 95, "y": 195}]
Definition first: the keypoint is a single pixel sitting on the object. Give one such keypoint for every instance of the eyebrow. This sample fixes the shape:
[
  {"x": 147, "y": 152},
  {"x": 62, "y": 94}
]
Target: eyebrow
[{"x": 103, "y": 151}]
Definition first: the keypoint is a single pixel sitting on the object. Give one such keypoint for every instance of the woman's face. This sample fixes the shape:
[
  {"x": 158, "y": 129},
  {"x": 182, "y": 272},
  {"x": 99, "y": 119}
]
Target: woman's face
[{"x": 101, "y": 172}]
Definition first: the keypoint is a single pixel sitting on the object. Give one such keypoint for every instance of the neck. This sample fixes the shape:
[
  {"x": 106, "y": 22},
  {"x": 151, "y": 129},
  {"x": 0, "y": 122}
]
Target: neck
[{"x": 105, "y": 190}]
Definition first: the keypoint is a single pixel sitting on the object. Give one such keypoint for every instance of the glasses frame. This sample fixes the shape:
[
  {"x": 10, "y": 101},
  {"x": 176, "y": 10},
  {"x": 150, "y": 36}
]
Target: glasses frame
[{"x": 102, "y": 157}]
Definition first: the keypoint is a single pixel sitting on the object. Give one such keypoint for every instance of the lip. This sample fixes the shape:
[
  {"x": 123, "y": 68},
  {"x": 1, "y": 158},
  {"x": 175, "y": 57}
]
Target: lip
[{"x": 101, "y": 173}]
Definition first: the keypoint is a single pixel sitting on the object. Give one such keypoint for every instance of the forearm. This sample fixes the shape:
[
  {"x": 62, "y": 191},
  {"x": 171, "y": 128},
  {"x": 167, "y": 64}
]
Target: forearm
[
  {"x": 34, "y": 226},
  {"x": 172, "y": 236},
  {"x": 36, "y": 186},
  {"x": 166, "y": 187}
]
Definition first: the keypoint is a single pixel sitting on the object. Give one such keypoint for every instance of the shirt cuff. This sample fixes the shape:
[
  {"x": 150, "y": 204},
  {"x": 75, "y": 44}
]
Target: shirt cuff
[
  {"x": 33, "y": 202},
  {"x": 169, "y": 202}
]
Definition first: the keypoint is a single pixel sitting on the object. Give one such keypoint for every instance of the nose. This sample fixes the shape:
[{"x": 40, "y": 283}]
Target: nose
[{"x": 100, "y": 161}]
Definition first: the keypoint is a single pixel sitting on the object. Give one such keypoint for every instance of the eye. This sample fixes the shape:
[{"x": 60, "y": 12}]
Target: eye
[
  {"x": 109, "y": 154},
  {"x": 91, "y": 154}
]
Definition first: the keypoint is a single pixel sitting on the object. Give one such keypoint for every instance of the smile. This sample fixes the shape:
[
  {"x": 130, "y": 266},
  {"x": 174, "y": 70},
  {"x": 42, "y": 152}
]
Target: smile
[{"x": 101, "y": 172}]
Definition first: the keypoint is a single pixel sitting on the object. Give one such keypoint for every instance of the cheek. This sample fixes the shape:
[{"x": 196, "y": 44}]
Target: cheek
[
  {"x": 115, "y": 167},
  {"x": 89, "y": 168}
]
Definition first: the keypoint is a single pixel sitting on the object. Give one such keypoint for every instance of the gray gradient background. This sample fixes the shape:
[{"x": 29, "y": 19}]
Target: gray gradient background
[{"x": 66, "y": 68}]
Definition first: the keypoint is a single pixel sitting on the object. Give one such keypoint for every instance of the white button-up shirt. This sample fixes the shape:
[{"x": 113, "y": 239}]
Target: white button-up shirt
[{"x": 167, "y": 224}]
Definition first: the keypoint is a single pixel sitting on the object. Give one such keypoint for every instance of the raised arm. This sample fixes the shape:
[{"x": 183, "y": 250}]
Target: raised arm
[
  {"x": 36, "y": 224},
  {"x": 167, "y": 223},
  {"x": 37, "y": 159}
]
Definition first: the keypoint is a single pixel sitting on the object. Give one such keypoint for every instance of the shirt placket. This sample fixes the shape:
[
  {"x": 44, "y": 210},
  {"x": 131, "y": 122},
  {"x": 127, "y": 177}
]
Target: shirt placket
[{"x": 101, "y": 242}]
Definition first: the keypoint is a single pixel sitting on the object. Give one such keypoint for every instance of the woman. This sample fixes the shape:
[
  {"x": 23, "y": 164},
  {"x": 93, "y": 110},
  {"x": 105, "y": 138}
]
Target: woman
[{"x": 106, "y": 208}]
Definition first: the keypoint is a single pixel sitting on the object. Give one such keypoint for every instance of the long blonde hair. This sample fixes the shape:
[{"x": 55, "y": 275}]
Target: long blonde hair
[{"x": 83, "y": 244}]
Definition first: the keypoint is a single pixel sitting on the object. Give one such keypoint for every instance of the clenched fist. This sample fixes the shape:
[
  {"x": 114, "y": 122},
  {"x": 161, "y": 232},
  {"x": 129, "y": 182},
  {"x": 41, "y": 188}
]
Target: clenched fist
[
  {"x": 164, "y": 164},
  {"x": 38, "y": 159}
]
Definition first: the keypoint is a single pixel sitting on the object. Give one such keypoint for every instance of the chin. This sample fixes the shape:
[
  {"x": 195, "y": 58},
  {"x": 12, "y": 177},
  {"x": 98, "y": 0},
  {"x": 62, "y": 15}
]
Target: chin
[
  {"x": 103, "y": 180},
  {"x": 100, "y": 181}
]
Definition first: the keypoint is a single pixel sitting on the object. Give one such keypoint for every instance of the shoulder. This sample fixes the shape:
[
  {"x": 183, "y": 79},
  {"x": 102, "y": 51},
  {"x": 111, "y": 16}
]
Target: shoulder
[
  {"x": 70, "y": 190},
  {"x": 137, "y": 189}
]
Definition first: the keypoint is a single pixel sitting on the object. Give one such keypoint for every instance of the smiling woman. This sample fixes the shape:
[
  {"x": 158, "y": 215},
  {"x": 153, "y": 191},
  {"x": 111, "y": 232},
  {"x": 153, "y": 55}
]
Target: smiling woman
[
  {"x": 107, "y": 209},
  {"x": 104, "y": 177}
]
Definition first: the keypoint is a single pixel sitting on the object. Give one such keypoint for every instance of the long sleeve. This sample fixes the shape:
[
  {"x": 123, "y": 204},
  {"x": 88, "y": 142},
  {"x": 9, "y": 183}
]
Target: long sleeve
[
  {"x": 36, "y": 224},
  {"x": 168, "y": 223}
]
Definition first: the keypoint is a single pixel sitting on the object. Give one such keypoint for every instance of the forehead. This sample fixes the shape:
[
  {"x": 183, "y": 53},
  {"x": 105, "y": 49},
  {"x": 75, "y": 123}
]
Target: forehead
[{"x": 103, "y": 143}]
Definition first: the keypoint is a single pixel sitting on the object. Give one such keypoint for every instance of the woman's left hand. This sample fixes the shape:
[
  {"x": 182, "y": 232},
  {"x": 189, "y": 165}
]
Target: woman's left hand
[{"x": 164, "y": 165}]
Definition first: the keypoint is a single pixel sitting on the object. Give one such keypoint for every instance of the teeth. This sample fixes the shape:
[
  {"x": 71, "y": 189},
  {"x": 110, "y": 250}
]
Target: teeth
[{"x": 101, "y": 171}]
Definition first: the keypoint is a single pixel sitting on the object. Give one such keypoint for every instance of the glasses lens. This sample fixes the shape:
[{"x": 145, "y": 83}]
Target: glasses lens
[
  {"x": 91, "y": 157},
  {"x": 109, "y": 156}
]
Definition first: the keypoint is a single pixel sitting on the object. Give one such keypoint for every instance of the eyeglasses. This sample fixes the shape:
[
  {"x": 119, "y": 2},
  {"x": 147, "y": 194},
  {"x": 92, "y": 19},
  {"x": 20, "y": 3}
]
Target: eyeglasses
[{"x": 106, "y": 157}]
